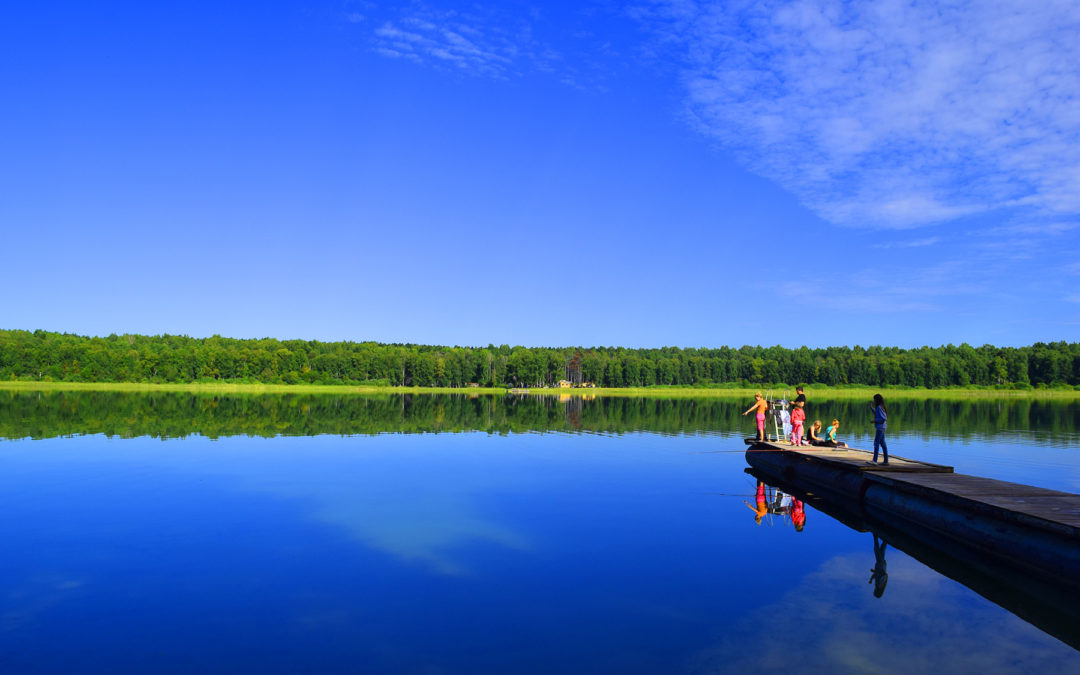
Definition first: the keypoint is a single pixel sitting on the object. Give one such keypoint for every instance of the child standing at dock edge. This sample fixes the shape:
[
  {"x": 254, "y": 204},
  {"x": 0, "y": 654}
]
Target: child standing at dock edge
[
  {"x": 761, "y": 405},
  {"x": 797, "y": 417},
  {"x": 881, "y": 418}
]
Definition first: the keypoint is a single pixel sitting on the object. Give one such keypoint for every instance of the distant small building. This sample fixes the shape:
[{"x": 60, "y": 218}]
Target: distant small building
[
  {"x": 565, "y": 384},
  {"x": 472, "y": 384}
]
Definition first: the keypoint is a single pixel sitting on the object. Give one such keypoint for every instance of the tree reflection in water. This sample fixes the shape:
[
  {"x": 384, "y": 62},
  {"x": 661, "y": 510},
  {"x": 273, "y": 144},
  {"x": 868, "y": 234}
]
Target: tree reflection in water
[{"x": 172, "y": 415}]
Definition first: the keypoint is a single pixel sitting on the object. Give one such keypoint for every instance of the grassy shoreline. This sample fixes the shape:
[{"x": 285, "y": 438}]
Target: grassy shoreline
[{"x": 651, "y": 392}]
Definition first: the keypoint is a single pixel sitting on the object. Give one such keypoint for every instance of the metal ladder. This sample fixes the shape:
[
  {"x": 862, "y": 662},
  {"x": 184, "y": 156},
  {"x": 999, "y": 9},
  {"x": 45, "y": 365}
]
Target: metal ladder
[{"x": 776, "y": 406}]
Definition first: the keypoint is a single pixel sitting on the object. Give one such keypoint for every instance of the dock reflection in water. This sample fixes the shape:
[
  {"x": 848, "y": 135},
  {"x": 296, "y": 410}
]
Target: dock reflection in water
[{"x": 1049, "y": 604}]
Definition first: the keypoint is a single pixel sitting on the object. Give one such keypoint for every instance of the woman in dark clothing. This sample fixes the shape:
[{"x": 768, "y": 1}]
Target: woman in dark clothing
[{"x": 881, "y": 417}]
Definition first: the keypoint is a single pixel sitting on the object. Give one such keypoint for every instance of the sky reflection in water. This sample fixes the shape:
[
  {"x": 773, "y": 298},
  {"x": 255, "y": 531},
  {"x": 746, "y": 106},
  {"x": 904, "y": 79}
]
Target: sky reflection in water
[{"x": 472, "y": 552}]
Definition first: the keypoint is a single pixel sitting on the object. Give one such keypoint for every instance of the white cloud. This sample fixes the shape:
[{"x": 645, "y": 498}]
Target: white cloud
[
  {"x": 914, "y": 243},
  {"x": 1032, "y": 229},
  {"x": 854, "y": 632},
  {"x": 891, "y": 113},
  {"x": 474, "y": 44}
]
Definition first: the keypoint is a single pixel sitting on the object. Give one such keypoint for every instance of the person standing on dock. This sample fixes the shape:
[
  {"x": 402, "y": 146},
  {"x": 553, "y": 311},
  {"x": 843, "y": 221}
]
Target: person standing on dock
[
  {"x": 761, "y": 405},
  {"x": 881, "y": 418},
  {"x": 799, "y": 402},
  {"x": 797, "y": 417}
]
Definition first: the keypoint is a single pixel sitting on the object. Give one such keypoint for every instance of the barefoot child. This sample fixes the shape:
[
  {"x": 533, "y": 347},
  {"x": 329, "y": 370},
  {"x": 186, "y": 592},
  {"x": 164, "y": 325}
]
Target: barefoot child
[
  {"x": 797, "y": 417},
  {"x": 760, "y": 405}
]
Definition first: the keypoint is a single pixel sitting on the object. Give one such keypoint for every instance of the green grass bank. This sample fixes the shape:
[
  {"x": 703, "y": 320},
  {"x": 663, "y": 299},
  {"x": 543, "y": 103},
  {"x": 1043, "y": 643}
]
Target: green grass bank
[{"x": 656, "y": 392}]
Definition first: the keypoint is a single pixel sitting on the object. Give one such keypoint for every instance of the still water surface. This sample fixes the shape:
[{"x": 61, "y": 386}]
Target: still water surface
[{"x": 442, "y": 534}]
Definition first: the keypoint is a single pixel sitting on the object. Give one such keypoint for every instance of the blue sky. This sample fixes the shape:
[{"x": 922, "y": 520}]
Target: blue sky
[{"x": 580, "y": 173}]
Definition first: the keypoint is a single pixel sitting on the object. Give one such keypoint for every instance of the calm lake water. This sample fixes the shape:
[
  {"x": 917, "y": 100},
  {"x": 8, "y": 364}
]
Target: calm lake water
[{"x": 443, "y": 534}]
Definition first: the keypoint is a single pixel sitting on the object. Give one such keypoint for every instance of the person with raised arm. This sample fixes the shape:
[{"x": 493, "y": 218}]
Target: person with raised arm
[{"x": 760, "y": 405}]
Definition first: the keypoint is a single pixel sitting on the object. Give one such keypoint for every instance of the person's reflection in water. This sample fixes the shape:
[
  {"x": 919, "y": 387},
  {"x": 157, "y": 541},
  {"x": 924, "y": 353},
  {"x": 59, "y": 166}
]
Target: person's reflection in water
[
  {"x": 798, "y": 514},
  {"x": 761, "y": 505},
  {"x": 878, "y": 576}
]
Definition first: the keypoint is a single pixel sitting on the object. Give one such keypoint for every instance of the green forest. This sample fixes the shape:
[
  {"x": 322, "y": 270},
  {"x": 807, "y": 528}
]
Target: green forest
[{"x": 61, "y": 357}]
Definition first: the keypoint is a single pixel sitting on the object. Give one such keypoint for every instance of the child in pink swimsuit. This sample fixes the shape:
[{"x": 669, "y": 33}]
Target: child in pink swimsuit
[
  {"x": 797, "y": 417},
  {"x": 760, "y": 405}
]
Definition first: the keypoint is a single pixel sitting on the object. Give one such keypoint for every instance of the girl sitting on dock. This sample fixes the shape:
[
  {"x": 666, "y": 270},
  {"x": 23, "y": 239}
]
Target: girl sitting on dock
[
  {"x": 812, "y": 433},
  {"x": 830, "y": 436},
  {"x": 830, "y": 431},
  {"x": 761, "y": 405}
]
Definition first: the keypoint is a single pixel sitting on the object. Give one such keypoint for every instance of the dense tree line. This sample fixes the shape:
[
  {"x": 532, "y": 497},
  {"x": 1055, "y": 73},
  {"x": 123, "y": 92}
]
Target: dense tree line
[
  {"x": 174, "y": 415},
  {"x": 42, "y": 355}
]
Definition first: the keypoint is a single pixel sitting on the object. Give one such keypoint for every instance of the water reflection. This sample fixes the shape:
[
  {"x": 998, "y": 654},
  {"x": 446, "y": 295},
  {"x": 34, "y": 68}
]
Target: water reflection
[
  {"x": 175, "y": 415},
  {"x": 878, "y": 575},
  {"x": 825, "y": 623},
  {"x": 1048, "y": 604}
]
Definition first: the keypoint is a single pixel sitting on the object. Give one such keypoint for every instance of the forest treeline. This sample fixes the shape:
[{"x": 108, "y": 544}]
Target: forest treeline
[{"x": 48, "y": 356}]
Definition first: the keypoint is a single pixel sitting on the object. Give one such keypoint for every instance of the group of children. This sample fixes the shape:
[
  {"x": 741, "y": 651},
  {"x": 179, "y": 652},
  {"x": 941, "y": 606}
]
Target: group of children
[{"x": 798, "y": 417}]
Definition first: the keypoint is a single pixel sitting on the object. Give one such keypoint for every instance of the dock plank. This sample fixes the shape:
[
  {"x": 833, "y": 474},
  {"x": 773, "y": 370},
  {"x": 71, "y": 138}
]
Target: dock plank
[
  {"x": 1050, "y": 505},
  {"x": 979, "y": 486},
  {"x": 853, "y": 458}
]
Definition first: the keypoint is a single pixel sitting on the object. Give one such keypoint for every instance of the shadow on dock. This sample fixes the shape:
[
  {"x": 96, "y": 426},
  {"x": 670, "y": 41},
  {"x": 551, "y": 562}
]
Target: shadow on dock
[{"x": 1049, "y": 602}]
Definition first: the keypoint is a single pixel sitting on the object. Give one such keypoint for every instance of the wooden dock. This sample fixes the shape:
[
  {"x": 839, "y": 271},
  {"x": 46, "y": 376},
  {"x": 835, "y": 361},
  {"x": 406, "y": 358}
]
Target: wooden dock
[
  {"x": 1012, "y": 501},
  {"x": 852, "y": 458},
  {"x": 1015, "y": 502},
  {"x": 1041, "y": 599},
  {"x": 1030, "y": 527}
]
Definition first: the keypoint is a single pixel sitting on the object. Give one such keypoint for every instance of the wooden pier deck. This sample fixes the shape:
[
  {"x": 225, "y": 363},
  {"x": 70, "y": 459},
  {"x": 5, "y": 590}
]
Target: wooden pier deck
[
  {"x": 1024, "y": 503},
  {"x": 848, "y": 471},
  {"x": 850, "y": 458}
]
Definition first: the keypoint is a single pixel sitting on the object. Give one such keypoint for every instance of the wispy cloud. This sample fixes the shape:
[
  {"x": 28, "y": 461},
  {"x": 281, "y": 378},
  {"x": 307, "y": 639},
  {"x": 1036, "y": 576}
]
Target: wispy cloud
[
  {"x": 891, "y": 113},
  {"x": 918, "y": 290},
  {"x": 474, "y": 43},
  {"x": 914, "y": 243},
  {"x": 949, "y": 622},
  {"x": 574, "y": 45},
  {"x": 1034, "y": 229}
]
